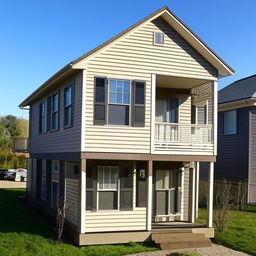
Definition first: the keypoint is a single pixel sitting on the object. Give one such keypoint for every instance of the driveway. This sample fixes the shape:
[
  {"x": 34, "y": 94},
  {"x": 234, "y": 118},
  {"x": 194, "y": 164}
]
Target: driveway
[{"x": 12, "y": 184}]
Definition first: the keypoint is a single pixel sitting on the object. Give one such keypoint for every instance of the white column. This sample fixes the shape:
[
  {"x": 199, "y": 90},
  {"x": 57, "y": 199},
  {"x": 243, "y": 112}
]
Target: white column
[
  {"x": 210, "y": 195},
  {"x": 197, "y": 189},
  {"x": 192, "y": 195},
  {"x": 134, "y": 185},
  {"x": 153, "y": 106},
  {"x": 83, "y": 112},
  {"x": 215, "y": 115},
  {"x": 149, "y": 198},
  {"x": 82, "y": 195}
]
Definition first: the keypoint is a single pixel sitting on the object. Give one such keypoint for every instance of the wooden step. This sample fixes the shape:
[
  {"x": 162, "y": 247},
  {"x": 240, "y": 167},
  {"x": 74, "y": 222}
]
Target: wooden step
[
  {"x": 171, "y": 230},
  {"x": 170, "y": 241}
]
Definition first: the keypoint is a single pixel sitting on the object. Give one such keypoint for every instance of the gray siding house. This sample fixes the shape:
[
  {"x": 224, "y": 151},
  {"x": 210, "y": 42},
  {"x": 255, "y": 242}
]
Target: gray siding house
[
  {"x": 119, "y": 134},
  {"x": 236, "y": 159}
]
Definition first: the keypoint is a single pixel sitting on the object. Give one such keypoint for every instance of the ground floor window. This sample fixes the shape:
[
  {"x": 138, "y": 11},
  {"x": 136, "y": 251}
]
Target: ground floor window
[
  {"x": 55, "y": 183},
  {"x": 55, "y": 194},
  {"x": 109, "y": 188},
  {"x": 43, "y": 181}
]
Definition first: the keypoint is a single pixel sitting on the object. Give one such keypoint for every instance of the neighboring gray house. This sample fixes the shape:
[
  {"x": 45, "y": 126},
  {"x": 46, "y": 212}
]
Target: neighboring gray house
[
  {"x": 236, "y": 159},
  {"x": 119, "y": 133}
]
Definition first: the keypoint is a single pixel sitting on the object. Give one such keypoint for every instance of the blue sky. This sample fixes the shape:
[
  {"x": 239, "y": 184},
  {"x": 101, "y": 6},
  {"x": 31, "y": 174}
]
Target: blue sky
[{"x": 40, "y": 37}]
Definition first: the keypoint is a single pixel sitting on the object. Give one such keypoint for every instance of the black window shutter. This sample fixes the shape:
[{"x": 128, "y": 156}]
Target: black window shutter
[
  {"x": 193, "y": 114},
  {"x": 49, "y": 112},
  {"x": 138, "y": 104},
  {"x": 100, "y": 95},
  {"x": 40, "y": 118},
  {"x": 58, "y": 123},
  {"x": 221, "y": 123}
]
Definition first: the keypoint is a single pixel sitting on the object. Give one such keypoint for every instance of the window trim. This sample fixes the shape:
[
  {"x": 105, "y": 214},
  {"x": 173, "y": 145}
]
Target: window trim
[
  {"x": 154, "y": 38},
  {"x": 236, "y": 126},
  {"x": 65, "y": 126},
  {"x": 118, "y": 104},
  {"x": 45, "y": 117},
  {"x": 56, "y": 112}
]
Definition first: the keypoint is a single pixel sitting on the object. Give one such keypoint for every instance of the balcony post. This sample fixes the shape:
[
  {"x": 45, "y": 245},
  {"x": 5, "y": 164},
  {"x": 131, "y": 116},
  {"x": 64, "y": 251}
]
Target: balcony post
[
  {"x": 149, "y": 197},
  {"x": 153, "y": 106},
  {"x": 215, "y": 115},
  {"x": 197, "y": 189}
]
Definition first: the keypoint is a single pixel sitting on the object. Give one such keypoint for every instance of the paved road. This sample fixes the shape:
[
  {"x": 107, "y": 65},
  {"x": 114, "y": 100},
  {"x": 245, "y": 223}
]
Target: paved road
[{"x": 12, "y": 184}]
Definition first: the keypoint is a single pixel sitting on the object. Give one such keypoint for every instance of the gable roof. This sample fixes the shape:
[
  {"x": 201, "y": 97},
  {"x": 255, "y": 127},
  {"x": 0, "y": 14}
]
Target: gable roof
[
  {"x": 223, "y": 68},
  {"x": 241, "y": 89}
]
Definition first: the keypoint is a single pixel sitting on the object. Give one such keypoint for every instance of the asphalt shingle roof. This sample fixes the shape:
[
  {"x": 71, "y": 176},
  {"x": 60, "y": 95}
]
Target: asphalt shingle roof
[{"x": 240, "y": 89}]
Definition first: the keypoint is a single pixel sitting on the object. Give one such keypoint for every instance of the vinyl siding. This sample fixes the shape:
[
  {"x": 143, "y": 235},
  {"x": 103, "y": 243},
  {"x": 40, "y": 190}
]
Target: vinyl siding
[
  {"x": 135, "y": 57},
  {"x": 64, "y": 140},
  {"x": 72, "y": 192},
  {"x": 233, "y": 149},
  {"x": 252, "y": 159}
]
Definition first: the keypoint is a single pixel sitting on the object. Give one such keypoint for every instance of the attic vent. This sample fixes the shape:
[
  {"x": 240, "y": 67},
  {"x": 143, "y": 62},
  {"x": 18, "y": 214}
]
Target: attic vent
[{"x": 158, "y": 38}]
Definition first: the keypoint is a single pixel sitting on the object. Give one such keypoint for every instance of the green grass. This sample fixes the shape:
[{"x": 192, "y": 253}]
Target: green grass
[
  {"x": 241, "y": 231},
  {"x": 24, "y": 233}
]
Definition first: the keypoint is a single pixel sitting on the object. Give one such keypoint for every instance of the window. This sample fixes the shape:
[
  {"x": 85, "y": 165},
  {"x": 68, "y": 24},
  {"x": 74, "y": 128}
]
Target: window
[
  {"x": 199, "y": 113},
  {"x": 230, "y": 122},
  {"x": 158, "y": 38},
  {"x": 107, "y": 187},
  {"x": 43, "y": 181},
  {"x": 68, "y": 106},
  {"x": 42, "y": 117},
  {"x": 54, "y": 112},
  {"x": 55, "y": 183},
  {"x": 119, "y": 102},
  {"x": 112, "y": 189}
]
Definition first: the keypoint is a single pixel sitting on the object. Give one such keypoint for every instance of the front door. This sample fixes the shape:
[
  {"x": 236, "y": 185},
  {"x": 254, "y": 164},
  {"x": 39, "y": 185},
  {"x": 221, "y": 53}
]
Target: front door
[{"x": 167, "y": 192}]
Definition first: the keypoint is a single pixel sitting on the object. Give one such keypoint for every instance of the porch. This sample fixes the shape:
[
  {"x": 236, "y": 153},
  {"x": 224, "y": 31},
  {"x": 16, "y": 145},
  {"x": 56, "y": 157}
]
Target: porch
[
  {"x": 142, "y": 196},
  {"x": 183, "y": 115}
]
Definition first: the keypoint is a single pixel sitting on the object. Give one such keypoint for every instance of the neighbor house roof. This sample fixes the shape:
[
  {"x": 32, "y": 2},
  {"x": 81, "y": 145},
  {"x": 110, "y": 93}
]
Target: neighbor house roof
[
  {"x": 223, "y": 68},
  {"x": 241, "y": 89}
]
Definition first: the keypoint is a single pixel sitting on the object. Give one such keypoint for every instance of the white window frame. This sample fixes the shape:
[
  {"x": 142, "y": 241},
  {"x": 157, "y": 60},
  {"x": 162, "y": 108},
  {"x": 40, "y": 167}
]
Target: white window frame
[
  {"x": 225, "y": 132},
  {"x": 202, "y": 104},
  {"x": 162, "y": 35},
  {"x": 71, "y": 105},
  {"x": 122, "y": 104}
]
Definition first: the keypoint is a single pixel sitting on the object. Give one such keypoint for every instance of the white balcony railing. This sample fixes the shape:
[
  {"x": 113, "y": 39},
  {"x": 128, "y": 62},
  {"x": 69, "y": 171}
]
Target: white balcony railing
[{"x": 182, "y": 137}]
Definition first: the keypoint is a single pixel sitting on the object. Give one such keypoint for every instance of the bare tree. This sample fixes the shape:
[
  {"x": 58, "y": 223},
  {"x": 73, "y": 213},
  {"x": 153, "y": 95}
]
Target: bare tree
[
  {"x": 223, "y": 205},
  {"x": 60, "y": 218}
]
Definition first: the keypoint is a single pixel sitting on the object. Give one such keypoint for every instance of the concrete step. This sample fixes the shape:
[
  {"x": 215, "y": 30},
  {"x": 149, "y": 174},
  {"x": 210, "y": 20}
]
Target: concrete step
[
  {"x": 171, "y": 230},
  {"x": 170, "y": 241}
]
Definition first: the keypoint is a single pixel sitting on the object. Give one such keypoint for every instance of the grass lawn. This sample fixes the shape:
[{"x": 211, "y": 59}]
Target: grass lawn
[
  {"x": 241, "y": 232},
  {"x": 24, "y": 233}
]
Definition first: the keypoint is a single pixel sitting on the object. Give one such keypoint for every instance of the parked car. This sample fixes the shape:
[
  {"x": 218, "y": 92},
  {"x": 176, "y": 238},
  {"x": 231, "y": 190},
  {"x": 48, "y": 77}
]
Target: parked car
[
  {"x": 21, "y": 175},
  {"x": 2, "y": 173},
  {"x": 10, "y": 174}
]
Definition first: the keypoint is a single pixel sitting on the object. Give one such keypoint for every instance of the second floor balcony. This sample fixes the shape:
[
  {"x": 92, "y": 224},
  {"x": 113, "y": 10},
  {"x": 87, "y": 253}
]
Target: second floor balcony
[
  {"x": 20, "y": 145},
  {"x": 184, "y": 116}
]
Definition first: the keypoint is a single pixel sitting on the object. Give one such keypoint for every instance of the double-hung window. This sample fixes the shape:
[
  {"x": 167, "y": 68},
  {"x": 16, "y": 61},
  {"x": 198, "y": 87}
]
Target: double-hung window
[
  {"x": 55, "y": 112},
  {"x": 107, "y": 187},
  {"x": 119, "y": 102},
  {"x": 42, "y": 117},
  {"x": 68, "y": 106},
  {"x": 43, "y": 180},
  {"x": 230, "y": 122}
]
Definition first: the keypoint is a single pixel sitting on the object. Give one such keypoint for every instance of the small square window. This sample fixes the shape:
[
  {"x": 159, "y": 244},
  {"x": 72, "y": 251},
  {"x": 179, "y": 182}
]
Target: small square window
[{"x": 159, "y": 38}]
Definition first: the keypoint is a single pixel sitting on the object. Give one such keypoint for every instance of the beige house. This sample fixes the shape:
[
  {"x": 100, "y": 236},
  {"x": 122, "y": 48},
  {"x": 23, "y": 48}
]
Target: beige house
[{"x": 119, "y": 134}]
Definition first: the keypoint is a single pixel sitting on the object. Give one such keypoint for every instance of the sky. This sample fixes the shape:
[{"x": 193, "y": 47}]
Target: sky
[{"x": 37, "y": 38}]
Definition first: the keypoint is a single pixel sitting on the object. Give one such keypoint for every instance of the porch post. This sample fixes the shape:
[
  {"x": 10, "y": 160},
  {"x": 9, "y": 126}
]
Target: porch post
[
  {"x": 210, "y": 195},
  {"x": 192, "y": 195},
  {"x": 149, "y": 198},
  {"x": 197, "y": 189},
  {"x": 82, "y": 195}
]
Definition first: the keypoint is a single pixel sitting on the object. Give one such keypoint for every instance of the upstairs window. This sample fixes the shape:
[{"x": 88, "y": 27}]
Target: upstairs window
[
  {"x": 55, "y": 112},
  {"x": 158, "y": 38},
  {"x": 42, "y": 117},
  {"x": 68, "y": 106},
  {"x": 119, "y": 102},
  {"x": 230, "y": 122}
]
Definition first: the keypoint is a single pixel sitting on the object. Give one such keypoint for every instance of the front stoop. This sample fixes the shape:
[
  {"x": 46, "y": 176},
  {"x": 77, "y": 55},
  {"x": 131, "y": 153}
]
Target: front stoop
[{"x": 171, "y": 240}]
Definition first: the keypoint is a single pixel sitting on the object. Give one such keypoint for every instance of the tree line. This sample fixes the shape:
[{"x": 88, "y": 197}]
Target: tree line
[{"x": 11, "y": 127}]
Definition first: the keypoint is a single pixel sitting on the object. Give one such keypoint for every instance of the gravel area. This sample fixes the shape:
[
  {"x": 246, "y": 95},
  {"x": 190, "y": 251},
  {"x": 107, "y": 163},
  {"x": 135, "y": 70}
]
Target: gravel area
[
  {"x": 215, "y": 250},
  {"x": 12, "y": 184}
]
